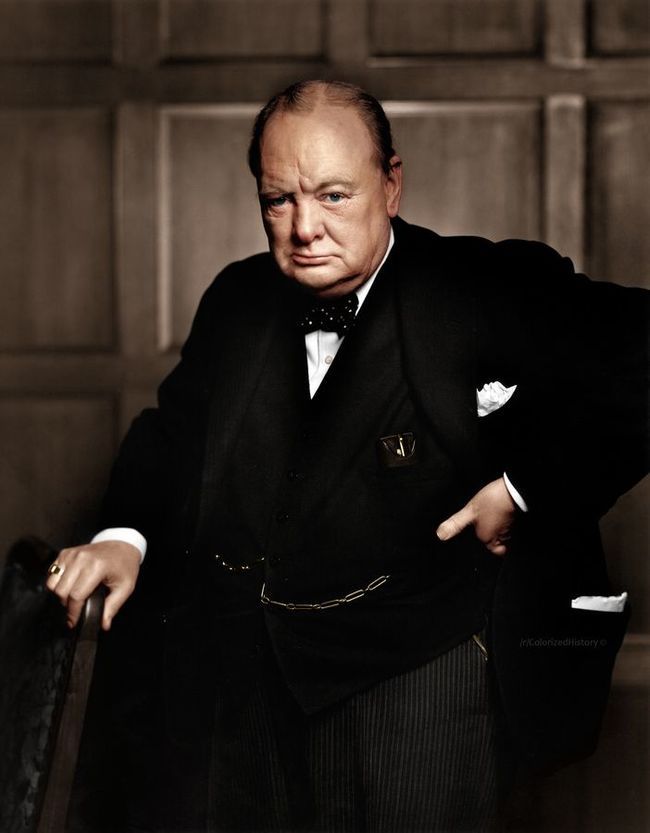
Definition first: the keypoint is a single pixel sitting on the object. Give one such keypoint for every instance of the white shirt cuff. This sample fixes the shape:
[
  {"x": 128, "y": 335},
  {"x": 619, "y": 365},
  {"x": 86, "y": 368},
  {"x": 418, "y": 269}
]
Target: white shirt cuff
[
  {"x": 514, "y": 494},
  {"x": 125, "y": 534}
]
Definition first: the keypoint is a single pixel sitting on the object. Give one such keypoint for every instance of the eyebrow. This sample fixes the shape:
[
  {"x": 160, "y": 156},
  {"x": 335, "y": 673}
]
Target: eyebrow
[
  {"x": 332, "y": 183},
  {"x": 267, "y": 192},
  {"x": 341, "y": 183}
]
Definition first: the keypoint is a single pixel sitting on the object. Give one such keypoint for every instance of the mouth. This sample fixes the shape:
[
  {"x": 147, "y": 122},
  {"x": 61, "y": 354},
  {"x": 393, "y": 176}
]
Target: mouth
[{"x": 309, "y": 260}]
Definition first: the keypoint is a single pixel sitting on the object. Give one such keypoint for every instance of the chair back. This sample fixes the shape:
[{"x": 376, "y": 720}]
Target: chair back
[{"x": 45, "y": 675}]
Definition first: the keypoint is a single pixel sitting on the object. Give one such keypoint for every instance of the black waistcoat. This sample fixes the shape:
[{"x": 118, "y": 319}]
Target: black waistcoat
[{"x": 315, "y": 511}]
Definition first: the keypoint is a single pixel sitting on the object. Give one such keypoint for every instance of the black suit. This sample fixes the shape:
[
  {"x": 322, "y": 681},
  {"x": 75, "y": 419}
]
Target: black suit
[{"x": 465, "y": 311}]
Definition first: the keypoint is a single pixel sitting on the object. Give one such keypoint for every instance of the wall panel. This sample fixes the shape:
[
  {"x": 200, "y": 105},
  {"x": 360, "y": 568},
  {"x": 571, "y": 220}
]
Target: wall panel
[
  {"x": 620, "y": 27},
  {"x": 55, "y": 30},
  {"x": 54, "y": 458},
  {"x": 619, "y": 209},
  {"x": 470, "y": 168},
  {"x": 55, "y": 229},
  {"x": 209, "y": 209},
  {"x": 247, "y": 29},
  {"x": 444, "y": 27}
]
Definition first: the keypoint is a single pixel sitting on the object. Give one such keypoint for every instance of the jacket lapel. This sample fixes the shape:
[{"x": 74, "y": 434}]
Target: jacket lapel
[
  {"x": 257, "y": 334},
  {"x": 436, "y": 310}
]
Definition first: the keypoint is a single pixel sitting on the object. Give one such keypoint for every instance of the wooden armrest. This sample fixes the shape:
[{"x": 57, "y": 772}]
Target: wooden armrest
[{"x": 64, "y": 759}]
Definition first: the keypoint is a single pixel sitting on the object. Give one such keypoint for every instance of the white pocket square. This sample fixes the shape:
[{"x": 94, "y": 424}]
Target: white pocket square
[
  {"x": 604, "y": 604},
  {"x": 492, "y": 396}
]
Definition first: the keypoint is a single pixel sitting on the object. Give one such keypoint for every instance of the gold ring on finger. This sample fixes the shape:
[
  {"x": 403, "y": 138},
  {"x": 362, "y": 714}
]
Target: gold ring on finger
[{"x": 56, "y": 570}]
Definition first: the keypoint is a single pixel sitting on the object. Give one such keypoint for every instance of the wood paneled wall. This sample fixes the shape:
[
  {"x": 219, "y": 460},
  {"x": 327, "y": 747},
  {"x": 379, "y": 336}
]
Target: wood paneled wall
[{"x": 123, "y": 131}]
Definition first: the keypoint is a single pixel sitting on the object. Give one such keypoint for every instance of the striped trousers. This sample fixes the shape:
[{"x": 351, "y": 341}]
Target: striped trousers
[{"x": 417, "y": 752}]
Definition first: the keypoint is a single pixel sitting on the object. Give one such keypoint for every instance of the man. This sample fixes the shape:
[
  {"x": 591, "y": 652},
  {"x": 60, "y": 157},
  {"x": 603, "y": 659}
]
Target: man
[{"x": 323, "y": 650}]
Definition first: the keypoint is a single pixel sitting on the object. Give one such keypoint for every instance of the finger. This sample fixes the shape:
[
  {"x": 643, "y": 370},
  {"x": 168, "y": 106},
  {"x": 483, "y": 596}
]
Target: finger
[
  {"x": 84, "y": 586},
  {"x": 490, "y": 530},
  {"x": 75, "y": 605},
  {"x": 114, "y": 601},
  {"x": 66, "y": 582},
  {"x": 53, "y": 578},
  {"x": 456, "y": 523},
  {"x": 73, "y": 562},
  {"x": 76, "y": 585}
]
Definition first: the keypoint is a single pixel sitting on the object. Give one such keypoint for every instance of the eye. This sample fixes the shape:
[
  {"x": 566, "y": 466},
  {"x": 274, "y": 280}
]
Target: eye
[
  {"x": 334, "y": 198},
  {"x": 275, "y": 202}
]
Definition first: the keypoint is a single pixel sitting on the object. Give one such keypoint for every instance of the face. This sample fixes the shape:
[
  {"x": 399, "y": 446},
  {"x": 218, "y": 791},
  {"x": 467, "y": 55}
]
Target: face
[{"x": 326, "y": 203}]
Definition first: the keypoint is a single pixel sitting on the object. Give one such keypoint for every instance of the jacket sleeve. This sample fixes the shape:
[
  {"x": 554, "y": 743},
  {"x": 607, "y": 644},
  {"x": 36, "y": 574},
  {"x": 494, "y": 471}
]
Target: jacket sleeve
[
  {"x": 579, "y": 349},
  {"x": 150, "y": 476}
]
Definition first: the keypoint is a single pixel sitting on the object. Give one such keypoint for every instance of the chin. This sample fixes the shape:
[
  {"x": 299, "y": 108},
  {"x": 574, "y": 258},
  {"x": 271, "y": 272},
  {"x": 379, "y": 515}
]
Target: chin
[
  {"x": 315, "y": 279},
  {"x": 341, "y": 286}
]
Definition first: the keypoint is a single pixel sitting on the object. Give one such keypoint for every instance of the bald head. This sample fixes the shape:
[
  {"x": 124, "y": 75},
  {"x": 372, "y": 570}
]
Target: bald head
[{"x": 307, "y": 96}]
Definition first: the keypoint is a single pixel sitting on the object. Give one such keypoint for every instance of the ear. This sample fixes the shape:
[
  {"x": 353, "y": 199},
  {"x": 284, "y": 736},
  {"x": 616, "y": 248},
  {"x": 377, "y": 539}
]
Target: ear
[{"x": 393, "y": 186}]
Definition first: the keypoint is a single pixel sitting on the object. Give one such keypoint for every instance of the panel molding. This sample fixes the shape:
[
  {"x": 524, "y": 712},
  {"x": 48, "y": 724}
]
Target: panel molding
[
  {"x": 72, "y": 373},
  {"x": 136, "y": 29},
  {"x": 348, "y": 34},
  {"x": 565, "y": 32},
  {"x": 565, "y": 134},
  {"x": 421, "y": 79},
  {"x": 135, "y": 222}
]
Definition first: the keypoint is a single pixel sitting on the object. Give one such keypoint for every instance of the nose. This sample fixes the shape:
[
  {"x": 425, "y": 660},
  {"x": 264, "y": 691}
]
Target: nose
[{"x": 307, "y": 223}]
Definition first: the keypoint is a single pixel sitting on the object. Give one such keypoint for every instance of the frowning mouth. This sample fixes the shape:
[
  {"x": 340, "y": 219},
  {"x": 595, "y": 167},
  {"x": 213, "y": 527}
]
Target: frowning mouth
[{"x": 309, "y": 260}]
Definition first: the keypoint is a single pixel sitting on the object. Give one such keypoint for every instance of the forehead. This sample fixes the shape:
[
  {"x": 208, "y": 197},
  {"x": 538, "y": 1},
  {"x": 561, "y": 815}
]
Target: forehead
[{"x": 329, "y": 137}]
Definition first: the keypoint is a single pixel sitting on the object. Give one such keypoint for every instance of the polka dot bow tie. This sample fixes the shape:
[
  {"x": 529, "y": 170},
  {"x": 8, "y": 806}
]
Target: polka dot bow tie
[{"x": 336, "y": 315}]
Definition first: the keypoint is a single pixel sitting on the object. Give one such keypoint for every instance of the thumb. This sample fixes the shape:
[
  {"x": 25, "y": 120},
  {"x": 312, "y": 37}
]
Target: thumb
[
  {"x": 456, "y": 523},
  {"x": 113, "y": 602}
]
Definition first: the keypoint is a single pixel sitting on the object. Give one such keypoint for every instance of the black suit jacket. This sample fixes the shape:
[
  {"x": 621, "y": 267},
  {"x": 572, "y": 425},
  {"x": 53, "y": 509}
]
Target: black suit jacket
[{"x": 571, "y": 440}]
